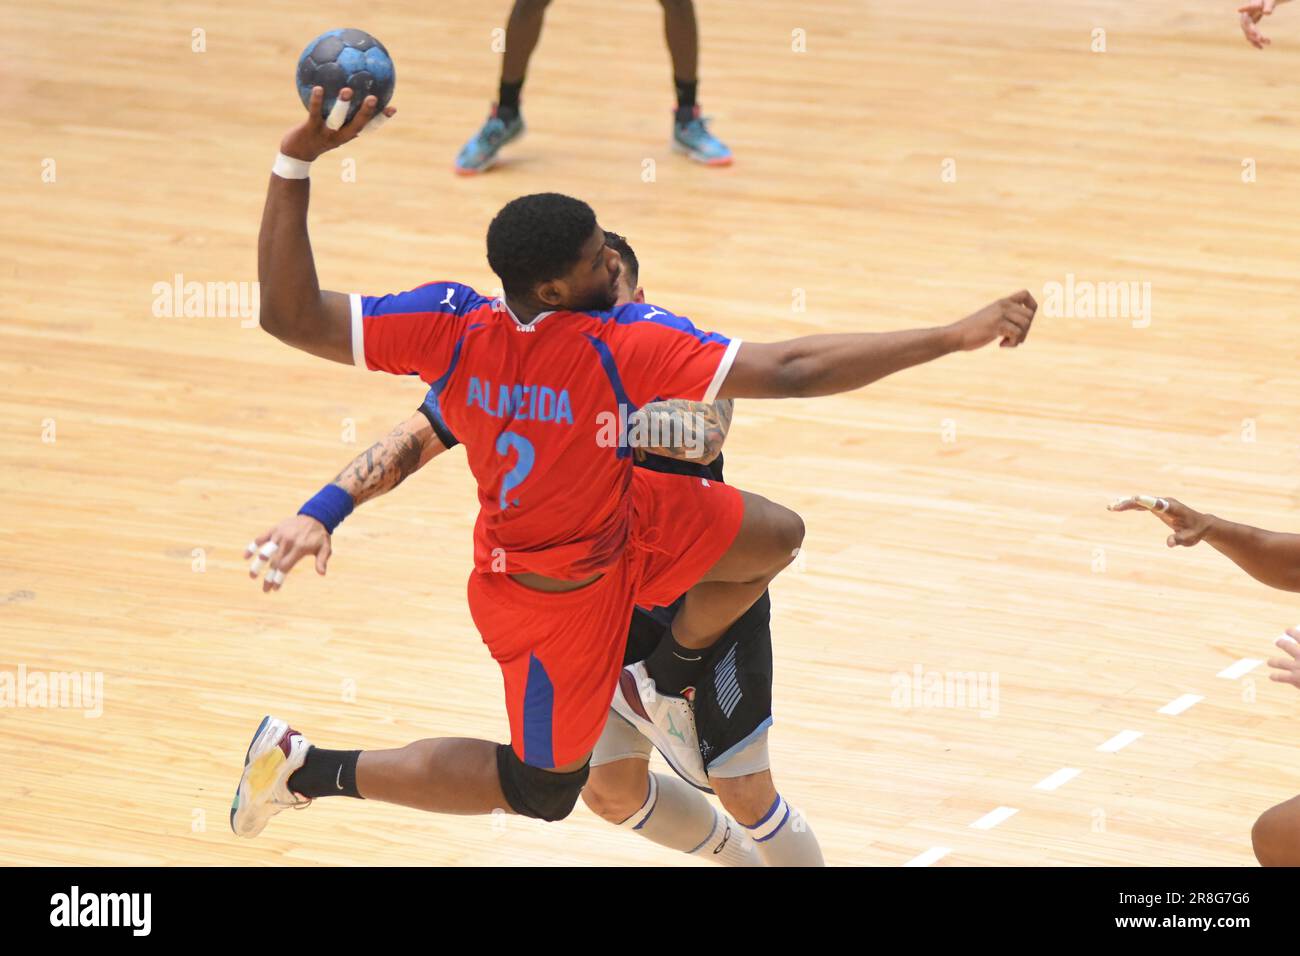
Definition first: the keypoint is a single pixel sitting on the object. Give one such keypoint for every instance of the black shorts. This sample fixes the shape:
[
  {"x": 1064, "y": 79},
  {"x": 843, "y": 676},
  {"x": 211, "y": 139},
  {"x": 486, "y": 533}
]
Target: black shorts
[{"x": 733, "y": 705}]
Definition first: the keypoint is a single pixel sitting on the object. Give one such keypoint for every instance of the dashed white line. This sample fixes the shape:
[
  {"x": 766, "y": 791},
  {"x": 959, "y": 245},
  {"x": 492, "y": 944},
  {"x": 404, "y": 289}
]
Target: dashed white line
[
  {"x": 1175, "y": 707},
  {"x": 993, "y": 818},
  {"x": 1239, "y": 669},
  {"x": 1061, "y": 777},
  {"x": 1120, "y": 741},
  {"x": 932, "y": 855}
]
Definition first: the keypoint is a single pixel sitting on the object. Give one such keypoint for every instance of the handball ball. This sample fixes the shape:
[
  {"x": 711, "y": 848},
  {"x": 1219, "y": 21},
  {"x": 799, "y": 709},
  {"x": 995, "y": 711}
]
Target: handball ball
[{"x": 341, "y": 59}]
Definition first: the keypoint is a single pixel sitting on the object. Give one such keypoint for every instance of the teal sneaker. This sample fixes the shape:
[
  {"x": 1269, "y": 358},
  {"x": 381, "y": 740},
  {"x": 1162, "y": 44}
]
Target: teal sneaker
[
  {"x": 480, "y": 152},
  {"x": 692, "y": 137}
]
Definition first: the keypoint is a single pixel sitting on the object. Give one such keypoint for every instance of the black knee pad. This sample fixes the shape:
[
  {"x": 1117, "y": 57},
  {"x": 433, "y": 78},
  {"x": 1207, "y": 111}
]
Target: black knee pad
[{"x": 537, "y": 793}]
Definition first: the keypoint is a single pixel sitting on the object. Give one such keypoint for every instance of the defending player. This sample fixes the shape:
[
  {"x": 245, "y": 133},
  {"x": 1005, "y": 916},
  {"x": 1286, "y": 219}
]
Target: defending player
[
  {"x": 733, "y": 706},
  {"x": 505, "y": 123},
  {"x": 570, "y": 537},
  {"x": 1271, "y": 558}
]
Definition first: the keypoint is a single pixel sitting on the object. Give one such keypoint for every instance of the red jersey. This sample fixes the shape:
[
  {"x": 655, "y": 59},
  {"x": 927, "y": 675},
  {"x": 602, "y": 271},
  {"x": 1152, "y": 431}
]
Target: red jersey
[{"x": 541, "y": 409}]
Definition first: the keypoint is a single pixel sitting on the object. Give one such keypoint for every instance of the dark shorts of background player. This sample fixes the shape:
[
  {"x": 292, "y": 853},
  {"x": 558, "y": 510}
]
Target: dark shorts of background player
[{"x": 734, "y": 705}]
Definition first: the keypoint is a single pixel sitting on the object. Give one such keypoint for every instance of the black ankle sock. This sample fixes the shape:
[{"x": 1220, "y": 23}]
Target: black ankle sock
[
  {"x": 673, "y": 667},
  {"x": 685, "y": 99},
  {"x": 508, "y": 100},
  {"x": 327, "y": 773}
]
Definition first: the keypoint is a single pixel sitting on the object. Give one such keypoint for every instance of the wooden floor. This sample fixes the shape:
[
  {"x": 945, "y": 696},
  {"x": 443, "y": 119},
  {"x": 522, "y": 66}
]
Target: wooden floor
[{"x": 955, "y": 514}]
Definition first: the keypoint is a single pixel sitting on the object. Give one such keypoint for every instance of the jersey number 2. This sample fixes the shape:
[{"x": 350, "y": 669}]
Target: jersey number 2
[{"x": 523, "y": 465}]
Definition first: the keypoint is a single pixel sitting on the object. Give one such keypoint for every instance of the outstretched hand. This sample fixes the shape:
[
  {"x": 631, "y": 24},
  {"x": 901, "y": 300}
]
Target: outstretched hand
[
  {"x": 317, "y": 134},
  {"x": 279, "y": 549},
  {"x": 1188, "y": 526}
]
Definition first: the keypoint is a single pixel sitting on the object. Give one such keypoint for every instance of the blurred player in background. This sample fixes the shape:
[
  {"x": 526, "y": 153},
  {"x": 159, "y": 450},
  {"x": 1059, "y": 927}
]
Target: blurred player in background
[
  {"x": 690, "y": 135},
  {"x": 733, "y": 708},
  {"x": 1250, "y": 15},
  {"x": 1272, "y": 558}
]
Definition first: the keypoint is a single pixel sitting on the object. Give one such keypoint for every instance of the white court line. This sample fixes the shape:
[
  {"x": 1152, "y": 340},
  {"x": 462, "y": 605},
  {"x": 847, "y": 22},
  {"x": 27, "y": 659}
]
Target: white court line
[
  {"x": 1239, "y": 669},
  {"x": 932, "y": 855},
  {"x": 1120, "y": 741},
  {"x": 993, "y": 818},
  {"x": 1175, "y": 707},
  {"x": 1062, "y": 776}
]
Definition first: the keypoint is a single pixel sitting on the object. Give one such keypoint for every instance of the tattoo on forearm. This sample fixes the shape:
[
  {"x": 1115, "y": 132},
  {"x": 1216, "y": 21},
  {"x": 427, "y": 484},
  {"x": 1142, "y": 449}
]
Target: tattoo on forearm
[
  {"x": 688, "y": 431},
  {"x": 381, "y": 467}
]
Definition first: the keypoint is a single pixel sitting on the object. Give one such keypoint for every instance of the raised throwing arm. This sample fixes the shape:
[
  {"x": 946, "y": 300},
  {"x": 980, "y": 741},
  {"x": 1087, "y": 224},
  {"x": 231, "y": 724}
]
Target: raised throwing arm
[{"x": 293, "y": 308}]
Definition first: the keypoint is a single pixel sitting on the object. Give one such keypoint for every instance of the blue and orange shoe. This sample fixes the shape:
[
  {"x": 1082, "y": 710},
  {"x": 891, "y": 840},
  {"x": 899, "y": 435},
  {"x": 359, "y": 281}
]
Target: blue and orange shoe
[
  {"x": 480, "y": 153},
  {"x": 276, "y": 751},
  {"x": 691, "y": 136}
]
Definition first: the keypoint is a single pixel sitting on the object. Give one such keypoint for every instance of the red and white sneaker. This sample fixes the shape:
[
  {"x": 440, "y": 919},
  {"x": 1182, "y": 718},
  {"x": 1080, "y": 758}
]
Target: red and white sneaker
[
  {"x": 276, "y": 751},
  {"x": 668, "y": 722}
]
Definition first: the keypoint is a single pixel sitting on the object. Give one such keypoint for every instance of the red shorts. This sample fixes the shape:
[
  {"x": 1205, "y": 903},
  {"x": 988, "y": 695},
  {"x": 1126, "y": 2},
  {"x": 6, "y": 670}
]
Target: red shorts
[{"x": 561, "y": 653}]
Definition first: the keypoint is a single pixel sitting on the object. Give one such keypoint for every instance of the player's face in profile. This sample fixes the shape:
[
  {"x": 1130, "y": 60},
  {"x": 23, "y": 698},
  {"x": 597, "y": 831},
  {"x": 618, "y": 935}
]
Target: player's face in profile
[{"x": 592, "y": 285}]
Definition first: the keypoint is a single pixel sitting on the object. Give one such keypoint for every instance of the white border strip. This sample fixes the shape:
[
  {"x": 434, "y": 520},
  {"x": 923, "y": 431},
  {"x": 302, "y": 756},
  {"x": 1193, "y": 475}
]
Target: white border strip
[
  {"x": 993, "y": 818},
  {"x": 720, "y": 375},
  {"x": 1175, "y": 707},
  {"x": 358, "y": 333},
  {"x": 1120, "y": 741},
  {"x": 1058, "y": 779},
  {"x": 932, "y": 855},
  {"x": 1239, "y": 669}
]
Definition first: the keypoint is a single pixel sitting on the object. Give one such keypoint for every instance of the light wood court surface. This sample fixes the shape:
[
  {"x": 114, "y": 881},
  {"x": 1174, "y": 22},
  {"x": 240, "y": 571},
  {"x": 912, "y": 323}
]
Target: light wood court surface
[{"x": 955, "y": 514}]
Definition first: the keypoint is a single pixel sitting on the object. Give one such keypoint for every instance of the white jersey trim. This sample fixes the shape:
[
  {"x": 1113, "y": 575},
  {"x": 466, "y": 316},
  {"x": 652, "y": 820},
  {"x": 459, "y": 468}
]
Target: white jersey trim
[
  {"x": 358, "y": 332},
  {"x": 526, "y": 326},
  {"x": 724, "y": 368}
]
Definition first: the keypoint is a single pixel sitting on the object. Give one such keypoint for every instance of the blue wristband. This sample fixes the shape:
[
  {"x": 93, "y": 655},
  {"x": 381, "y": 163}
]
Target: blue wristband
[{"x": 329, "y": 506}]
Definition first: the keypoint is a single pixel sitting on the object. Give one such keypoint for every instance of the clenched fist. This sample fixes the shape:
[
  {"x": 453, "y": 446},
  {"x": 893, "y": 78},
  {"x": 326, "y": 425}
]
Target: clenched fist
[{"x": 1007, "y": 319}]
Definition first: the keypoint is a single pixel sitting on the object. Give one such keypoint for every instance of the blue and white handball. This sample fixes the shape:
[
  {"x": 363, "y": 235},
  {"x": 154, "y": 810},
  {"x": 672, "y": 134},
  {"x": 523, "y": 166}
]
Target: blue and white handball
[{"x": 341, "y": 59}]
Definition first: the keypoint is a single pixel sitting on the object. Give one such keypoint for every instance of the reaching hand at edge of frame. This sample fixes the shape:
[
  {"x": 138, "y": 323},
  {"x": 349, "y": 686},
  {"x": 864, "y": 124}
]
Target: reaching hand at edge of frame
[
  {"x": 1250, "y": 15},
  {"x": 1287, "y": 668}
]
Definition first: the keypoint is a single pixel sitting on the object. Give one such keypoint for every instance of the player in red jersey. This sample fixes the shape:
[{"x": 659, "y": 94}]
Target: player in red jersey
[
  {"x": 537, "y": 387},
  {"x": 733, "y": 707}
]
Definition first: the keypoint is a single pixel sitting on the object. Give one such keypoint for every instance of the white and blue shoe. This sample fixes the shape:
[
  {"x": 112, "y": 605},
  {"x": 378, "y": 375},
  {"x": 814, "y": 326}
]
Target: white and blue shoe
[
  {"x": 668, "y": 722},
  {"x": 275, "y": 753}
]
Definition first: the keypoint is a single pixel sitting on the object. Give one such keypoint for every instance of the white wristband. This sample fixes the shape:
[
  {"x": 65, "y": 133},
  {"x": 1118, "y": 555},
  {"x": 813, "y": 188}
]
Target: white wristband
[{"x": 286, "y": 167}]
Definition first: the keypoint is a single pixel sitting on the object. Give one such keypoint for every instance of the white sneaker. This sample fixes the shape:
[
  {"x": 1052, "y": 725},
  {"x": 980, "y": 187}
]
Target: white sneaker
[
  {"x": 668, "y": 722},
  {"x": 277, "y": 750}
]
